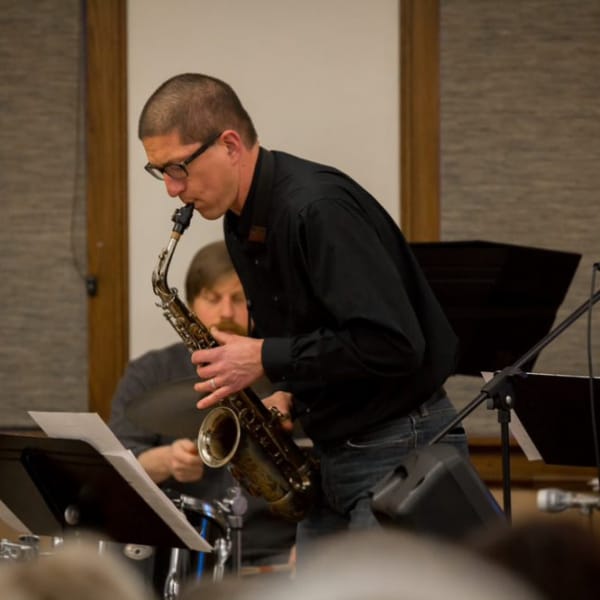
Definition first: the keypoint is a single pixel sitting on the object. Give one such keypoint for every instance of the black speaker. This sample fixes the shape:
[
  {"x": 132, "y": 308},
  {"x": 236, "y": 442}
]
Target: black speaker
[{"x": 435, "y": 490}]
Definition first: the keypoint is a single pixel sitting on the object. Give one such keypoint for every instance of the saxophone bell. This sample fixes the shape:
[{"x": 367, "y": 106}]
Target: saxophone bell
[
  {"x": 225, "y": 438},
  {"x": 219, "y": 437}
]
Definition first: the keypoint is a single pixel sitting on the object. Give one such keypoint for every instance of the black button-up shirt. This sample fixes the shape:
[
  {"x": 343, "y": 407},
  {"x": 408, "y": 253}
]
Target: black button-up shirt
[{"x": 351, "y": 327}]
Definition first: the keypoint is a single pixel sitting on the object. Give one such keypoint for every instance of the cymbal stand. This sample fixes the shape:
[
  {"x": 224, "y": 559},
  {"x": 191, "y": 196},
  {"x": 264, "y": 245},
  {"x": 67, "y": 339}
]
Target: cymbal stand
[{"x": 235, "y": 505}]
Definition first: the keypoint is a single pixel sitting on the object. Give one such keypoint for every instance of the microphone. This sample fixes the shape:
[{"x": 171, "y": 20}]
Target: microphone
[{"x": 555, "y": 500}]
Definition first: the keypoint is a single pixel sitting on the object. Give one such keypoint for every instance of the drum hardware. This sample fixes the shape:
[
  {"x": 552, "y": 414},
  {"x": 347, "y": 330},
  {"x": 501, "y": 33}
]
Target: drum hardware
[
  {"x": 235, "y": 505},
  {"x": 27, "y": 548},
  {"x": 72, "y": 515},
  {"x": 30, "y": 540},
  {"x": 175, "y": 575},
  {"x": 138, "y": 551},
  {"x": 222, "y": 552},
  {"x": 213, "y": 525}
]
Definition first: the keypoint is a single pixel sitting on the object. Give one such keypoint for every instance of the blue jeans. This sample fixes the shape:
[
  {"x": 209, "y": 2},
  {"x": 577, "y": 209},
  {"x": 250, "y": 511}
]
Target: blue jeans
[{"x": 350, "y": 469}]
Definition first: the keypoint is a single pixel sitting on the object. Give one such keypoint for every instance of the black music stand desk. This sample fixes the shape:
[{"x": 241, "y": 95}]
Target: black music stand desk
[
  {"x": 56, "y": 486},
  {"x": 554, "y": 417},
  {"x": 499, "y": 298}
]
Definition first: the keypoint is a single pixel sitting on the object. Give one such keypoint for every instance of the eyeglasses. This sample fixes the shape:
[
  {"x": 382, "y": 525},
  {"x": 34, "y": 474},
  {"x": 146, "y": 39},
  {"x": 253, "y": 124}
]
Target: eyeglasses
[{"x": 179, "y": 170}]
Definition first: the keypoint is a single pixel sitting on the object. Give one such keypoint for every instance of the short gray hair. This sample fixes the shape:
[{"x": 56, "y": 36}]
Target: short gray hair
[{"x": 197, "y": 107}]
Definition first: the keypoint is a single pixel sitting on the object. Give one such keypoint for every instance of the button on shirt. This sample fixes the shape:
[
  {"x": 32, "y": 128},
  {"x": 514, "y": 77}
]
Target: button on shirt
[{"x": 351, "y": 327}]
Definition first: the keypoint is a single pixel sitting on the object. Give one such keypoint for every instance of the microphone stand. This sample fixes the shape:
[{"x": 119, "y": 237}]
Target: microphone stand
[{"x": 499, "y": 394}]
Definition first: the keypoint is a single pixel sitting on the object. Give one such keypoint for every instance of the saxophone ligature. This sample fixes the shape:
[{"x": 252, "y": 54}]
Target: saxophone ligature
[{"x": 240, "y": 432}]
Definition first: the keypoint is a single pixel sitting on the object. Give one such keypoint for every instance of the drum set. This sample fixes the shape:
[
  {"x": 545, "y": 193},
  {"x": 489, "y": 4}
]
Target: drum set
[
  {"x": 168, "y": 570},
  {"x": 26, "y": 548},
  {"x": 220, "y": 525}
]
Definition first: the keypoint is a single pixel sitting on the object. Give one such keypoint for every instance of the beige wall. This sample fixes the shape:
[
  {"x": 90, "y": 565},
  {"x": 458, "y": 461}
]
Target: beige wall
[{"x": 319, "y": 78}]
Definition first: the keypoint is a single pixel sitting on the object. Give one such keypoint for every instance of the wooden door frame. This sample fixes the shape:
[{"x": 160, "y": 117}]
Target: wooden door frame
[
  {"x": 420, "y": 119},
  {"x": 107, "y": 199}
]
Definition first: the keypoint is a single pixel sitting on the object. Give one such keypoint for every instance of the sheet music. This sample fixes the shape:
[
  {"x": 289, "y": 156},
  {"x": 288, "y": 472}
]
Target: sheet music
[
  {"x": 518, "y": 431},
  {"x": 90, "y": 428},
  {"x": 520, "y": 434}
]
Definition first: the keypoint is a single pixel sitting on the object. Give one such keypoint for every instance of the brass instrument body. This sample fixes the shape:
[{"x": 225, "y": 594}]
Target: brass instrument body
[{"x": 240, "y": 432}]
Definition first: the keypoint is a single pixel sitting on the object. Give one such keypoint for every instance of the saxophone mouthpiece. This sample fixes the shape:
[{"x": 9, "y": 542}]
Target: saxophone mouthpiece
[{"x": 182, "y": 217}]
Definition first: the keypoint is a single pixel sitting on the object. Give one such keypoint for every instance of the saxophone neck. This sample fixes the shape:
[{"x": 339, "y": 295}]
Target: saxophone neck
[
  {"x": 181, "y": 219},
  {"x": 159, "y": 275}
]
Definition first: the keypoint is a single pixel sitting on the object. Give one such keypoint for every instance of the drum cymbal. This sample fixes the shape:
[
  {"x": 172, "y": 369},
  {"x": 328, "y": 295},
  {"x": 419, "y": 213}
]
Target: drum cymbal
[{"x": 169, "y": 409}]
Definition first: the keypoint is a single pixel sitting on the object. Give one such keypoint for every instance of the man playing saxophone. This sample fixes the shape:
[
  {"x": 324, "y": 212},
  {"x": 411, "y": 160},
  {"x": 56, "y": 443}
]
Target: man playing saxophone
[{"x": 346, "y": 325}]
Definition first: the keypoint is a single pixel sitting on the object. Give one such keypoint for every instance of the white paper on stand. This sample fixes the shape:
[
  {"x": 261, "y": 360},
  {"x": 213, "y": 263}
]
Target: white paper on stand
[
  {"x": 90, "y": 428},
  {"x": 518, "y": 431}
]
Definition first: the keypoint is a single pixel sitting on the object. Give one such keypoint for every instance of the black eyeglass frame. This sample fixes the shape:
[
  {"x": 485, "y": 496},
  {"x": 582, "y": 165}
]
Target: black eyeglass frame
[{"x": 181, "y": 167}]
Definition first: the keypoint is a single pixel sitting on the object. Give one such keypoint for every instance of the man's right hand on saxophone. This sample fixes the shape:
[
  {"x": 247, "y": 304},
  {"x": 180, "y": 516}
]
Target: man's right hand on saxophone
[{"x": 233, "y": 366}]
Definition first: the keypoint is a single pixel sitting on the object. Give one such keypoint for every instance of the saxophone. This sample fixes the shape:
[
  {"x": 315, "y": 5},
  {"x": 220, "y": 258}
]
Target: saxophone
[{"x": 241, "y": 432}]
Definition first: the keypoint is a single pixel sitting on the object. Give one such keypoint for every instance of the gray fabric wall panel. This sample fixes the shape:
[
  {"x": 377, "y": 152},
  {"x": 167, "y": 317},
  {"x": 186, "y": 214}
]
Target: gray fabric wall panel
[
  {"x": 43, "y": 354},
  {"x": 520, "y": 152}
]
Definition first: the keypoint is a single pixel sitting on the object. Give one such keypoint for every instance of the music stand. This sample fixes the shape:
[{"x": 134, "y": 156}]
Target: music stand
[
  {"x": 551, "y": 409},
  {"x": 499, "y": 298},
  {"x": 500, "y": 393},
  {"x": 59, "y": 485}
]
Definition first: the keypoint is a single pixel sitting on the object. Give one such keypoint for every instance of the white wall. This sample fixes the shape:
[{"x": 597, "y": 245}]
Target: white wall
[{"x": 319, "y": 78}]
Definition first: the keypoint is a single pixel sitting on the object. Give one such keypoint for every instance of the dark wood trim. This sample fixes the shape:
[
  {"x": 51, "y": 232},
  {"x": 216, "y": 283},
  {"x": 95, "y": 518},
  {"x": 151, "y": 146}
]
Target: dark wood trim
[
  {"x": 486, "y": 456},
  {"x": 107, "y": 163},
  {"x": 419, "y": 120}
]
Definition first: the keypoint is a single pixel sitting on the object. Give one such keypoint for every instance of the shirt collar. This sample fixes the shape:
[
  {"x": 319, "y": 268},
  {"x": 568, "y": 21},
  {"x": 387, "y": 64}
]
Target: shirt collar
[{"x": 251, "y": 224}]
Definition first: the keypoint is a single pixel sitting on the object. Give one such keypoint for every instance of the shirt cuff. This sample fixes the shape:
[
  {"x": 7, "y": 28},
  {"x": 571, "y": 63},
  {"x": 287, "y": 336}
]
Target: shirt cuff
[{"x": 276, "y": 358}]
